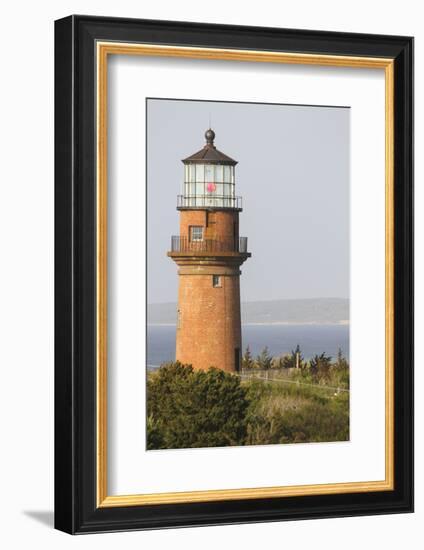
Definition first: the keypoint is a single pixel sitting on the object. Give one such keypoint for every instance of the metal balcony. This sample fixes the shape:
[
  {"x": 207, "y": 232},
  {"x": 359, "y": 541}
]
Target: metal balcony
[
  {"x": 184, "y": 244},
  {"x": 208, "y": 201}
]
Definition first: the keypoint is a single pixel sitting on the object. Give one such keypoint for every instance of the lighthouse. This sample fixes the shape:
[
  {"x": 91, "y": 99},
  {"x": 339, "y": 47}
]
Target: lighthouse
[{"x": 209, "y": 252}]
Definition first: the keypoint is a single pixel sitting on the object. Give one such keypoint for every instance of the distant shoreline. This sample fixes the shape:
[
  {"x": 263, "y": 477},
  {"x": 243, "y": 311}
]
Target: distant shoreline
[{"x": 293, "y": 312}]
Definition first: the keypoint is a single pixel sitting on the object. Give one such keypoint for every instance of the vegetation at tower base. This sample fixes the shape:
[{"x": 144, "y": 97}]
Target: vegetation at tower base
[
  {"x": 264, "y": 360},
  {"x": 189, "y": 408}
]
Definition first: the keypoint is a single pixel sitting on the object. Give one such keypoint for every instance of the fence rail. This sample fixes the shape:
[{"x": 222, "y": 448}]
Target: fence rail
[
  {"x": 264, "y": 375},
  {"x": 184, "y": 244}
]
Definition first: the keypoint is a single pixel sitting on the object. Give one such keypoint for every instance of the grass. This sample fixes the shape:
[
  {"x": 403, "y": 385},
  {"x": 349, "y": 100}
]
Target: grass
[{"x": 287, "y": 413}]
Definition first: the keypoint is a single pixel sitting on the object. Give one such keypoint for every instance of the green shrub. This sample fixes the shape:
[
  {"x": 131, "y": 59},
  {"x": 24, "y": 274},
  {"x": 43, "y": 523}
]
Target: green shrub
[{"x": 189, "y": 408}]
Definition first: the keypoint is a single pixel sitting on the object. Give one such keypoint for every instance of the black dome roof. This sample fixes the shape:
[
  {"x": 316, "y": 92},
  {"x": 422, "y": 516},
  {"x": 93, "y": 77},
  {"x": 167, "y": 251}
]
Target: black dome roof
[{"x": 210, "y": 154}]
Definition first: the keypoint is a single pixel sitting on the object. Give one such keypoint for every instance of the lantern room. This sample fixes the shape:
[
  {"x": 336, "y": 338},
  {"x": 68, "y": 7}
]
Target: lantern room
[{"x": 209, "y": 179}]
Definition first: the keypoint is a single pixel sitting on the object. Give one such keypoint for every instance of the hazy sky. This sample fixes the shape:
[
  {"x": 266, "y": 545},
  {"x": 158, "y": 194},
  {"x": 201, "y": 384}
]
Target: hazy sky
[{"x": 293, "y": 175}]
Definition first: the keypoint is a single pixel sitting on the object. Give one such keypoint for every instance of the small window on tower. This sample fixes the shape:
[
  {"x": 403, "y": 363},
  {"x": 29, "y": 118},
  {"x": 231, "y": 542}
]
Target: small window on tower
[
  {"x": 196, "y": 233},
  {"x": 216, "y": 281}
]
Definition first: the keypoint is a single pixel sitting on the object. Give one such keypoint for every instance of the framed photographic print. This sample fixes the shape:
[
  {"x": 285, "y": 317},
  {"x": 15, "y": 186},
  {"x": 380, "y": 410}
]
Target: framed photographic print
[{"x": 233, "y": 274}]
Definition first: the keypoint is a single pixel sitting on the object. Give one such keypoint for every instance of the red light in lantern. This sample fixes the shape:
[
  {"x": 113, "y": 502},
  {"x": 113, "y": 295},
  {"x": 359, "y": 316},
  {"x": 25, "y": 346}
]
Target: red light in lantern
[{"x": 211, "y": 187}]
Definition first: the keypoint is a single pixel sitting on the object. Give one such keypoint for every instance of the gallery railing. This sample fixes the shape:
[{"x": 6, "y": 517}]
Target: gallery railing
[
  {"x": 184, "y": 244},
  {"x": 208, "y": 201}
]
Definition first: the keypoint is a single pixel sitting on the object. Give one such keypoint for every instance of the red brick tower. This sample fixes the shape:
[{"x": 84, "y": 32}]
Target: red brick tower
[{"x": 209, "y": 253}]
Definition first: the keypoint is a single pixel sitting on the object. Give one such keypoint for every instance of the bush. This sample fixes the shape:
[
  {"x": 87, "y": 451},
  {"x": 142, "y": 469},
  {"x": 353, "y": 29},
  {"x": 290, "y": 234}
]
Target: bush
[{"x": 188, "y": 408}]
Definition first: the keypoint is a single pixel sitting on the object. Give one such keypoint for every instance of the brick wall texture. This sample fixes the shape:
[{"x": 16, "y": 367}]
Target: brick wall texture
[{"x": 209, "y": 324}]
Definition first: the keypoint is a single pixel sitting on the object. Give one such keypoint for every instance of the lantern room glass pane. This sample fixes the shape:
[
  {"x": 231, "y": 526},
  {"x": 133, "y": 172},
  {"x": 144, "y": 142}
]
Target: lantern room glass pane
[
  {"x": 200, "y": 172},
  {"x": 200, "y": 188},
  {"x": 227, "y": 173},
  {"x": 209, "y": 172},
  {"x": 227, "y": 191},
  {"x": 219, "y": 173},
  {"x": 218, "y": 189}
]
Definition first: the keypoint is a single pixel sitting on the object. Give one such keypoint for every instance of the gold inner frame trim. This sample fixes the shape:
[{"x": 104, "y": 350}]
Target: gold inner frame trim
[{"x": 104, "y": 49}]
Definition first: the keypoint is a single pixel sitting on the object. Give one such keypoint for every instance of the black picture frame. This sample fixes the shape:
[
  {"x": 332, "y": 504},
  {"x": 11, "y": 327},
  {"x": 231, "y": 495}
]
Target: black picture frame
[{"x": 76, "y": 510}]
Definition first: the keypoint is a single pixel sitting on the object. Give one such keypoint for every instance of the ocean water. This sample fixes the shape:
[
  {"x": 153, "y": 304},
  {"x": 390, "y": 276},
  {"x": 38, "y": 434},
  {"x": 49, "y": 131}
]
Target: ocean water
[{"x": 280, "y": 339}]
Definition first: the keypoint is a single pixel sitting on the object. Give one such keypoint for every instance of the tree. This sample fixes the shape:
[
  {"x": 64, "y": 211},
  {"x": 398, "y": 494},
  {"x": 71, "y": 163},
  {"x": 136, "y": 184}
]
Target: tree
[
  {"x": 341, "y": 362},
  {"x": 192, "y": 408},
  {"x": 320, "y": 365},
  {"x": 341, "y": 370},
  {"x": 294, "y": 359},
  {"x": 264, "y": 360},
  {"x": 287, "y": 361},
  {"x": 247, "y": 361}
]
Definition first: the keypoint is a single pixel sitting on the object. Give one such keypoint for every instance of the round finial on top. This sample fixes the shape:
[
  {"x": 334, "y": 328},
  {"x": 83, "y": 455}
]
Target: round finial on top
[{"x": 210, "y": 136}]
